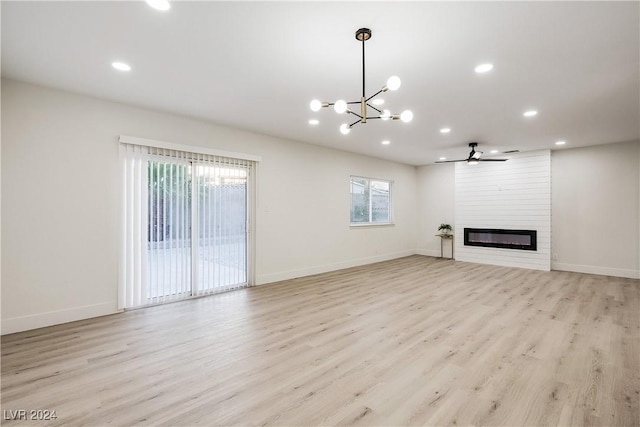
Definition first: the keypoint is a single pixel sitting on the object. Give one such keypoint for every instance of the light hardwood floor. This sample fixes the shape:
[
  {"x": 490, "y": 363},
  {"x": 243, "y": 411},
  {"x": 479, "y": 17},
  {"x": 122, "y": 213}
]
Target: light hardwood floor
[{"x": 413, "y": 341}]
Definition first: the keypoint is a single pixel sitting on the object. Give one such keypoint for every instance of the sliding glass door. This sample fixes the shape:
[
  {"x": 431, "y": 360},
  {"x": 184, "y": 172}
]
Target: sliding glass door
[{"x": 185, "y": 225}]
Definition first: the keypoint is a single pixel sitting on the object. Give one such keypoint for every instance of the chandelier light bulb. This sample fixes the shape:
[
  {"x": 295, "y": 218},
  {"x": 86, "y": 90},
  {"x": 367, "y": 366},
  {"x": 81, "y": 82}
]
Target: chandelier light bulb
[
  {"x": 393, "y": 83},
  {"x": 340, "y": 106},
  {"x": 345, "y": 129},
  {"x": 315, "y": 105},
  {"x": 406, "y": 116},
  {"x": 386, "y": 115}
]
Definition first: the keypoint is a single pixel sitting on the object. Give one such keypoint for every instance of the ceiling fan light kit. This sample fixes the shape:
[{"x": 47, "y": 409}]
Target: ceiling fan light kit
[{"x": 341, "y": 106}]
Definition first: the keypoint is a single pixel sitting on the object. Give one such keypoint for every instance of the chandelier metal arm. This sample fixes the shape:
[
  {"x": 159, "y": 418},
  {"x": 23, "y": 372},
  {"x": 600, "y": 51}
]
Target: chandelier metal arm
[
  {"x": 371, "y": 106},
  {"x": 330, "y": 104},
  {"x": 375, "y": 94}
]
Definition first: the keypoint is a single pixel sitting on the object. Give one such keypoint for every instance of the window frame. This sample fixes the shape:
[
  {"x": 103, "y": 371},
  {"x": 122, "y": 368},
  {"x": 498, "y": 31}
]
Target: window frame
[{"x": 370, "y": 223}]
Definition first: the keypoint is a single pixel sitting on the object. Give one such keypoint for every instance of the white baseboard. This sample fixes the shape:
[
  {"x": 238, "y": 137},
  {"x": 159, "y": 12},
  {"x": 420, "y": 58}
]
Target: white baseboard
[
  {"x": 34, "y": 321},
  {"x": 592, "y": 269},
  {"x": 292, "y": 274}
]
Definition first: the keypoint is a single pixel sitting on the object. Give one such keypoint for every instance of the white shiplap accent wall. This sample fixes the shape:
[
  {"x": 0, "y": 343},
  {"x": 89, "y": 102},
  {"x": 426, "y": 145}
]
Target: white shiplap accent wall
[{"x": 512, "y": 195}]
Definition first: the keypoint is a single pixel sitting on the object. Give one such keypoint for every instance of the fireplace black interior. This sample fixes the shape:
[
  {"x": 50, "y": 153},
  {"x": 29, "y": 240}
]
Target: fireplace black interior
[{"x": 525, "y": 240}]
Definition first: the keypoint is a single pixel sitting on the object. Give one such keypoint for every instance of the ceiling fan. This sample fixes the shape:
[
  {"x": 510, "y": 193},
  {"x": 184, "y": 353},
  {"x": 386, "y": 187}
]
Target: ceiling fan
[{"x": 474, "y": 157}]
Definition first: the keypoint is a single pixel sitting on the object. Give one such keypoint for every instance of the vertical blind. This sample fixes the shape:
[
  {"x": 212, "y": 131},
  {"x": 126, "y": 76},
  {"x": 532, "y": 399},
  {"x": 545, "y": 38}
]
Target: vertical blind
[{"x": 185, "y": 220}]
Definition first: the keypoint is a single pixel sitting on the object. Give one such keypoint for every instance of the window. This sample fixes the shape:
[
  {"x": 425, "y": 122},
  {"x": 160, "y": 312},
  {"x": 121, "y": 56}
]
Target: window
[{"x": 370, "y": 201}]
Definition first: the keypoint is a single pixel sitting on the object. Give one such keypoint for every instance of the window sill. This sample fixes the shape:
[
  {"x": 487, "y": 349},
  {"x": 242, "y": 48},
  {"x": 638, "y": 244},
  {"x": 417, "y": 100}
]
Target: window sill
[{"x": 373, "y": 225}]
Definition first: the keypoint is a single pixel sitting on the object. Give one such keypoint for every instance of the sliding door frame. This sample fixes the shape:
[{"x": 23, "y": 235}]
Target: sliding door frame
[{"x": 251, "y": 204}]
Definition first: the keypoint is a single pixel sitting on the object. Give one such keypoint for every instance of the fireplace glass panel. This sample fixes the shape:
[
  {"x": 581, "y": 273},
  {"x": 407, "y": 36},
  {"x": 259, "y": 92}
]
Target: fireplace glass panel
[{"x": 501, "y": 238}]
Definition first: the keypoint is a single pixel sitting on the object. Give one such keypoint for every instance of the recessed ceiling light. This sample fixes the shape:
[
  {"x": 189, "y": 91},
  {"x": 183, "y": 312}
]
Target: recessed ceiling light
[
  {"x": 159, "y": 4},
  {"x": 561, "y": 142},
  {"x": 314, "y": 122},
  {"x": 493, "y": 151},
  {"x": 378, "y": 101},
  {"x": 443, "y": 158},
  {"x": 530, "y": 113},
  {"x": 386, "y": 142},
  {"x": 445, "y": 130},
  {"x": 483, "y": 68},
  {"x": 121, "y": 66}
]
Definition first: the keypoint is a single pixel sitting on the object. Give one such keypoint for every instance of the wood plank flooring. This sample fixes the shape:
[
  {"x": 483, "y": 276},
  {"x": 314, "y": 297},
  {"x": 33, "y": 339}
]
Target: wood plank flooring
[{"x": 413, "y": 341}]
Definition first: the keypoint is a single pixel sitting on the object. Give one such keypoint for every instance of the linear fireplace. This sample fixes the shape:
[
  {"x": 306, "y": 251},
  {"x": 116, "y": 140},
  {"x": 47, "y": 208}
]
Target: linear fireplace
[{"x": 525, "y": 240}]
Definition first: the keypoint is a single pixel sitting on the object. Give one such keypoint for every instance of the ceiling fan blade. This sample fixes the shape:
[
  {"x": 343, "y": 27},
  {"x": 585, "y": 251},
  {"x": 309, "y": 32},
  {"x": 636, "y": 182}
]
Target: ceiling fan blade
[
  {"x": 492, "y": 160},
  {"x": 451, "y": 161}
]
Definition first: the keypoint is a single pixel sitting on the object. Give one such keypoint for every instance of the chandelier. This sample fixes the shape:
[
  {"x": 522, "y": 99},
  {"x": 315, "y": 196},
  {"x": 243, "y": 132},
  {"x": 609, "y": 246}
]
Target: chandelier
[{"x": 341, "y": 106}]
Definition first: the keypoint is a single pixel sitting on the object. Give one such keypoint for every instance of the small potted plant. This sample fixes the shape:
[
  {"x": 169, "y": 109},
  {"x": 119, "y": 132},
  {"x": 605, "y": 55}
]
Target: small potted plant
[{"x": 445, "y": 228}]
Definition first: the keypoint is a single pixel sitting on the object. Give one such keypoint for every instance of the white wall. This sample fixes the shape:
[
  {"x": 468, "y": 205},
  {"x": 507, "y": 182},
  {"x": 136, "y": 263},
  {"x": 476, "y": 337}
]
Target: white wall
[
  {"x": 513, "y": 195},
  {"x": 595, "y": 221},
  {"x": 436, "y": 191},
  {"x": 60, "y": 202}
]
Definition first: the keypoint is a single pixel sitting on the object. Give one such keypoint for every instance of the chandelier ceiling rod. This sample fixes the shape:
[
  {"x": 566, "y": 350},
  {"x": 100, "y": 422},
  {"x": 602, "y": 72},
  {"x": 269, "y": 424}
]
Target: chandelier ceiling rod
[
  {"x": 363, "y": 38},
  {"x": 341, "y": 106}
]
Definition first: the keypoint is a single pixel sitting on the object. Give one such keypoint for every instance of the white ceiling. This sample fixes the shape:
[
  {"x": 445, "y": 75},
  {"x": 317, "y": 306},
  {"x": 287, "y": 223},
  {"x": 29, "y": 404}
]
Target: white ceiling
[{"x": 257, "y": 65}]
